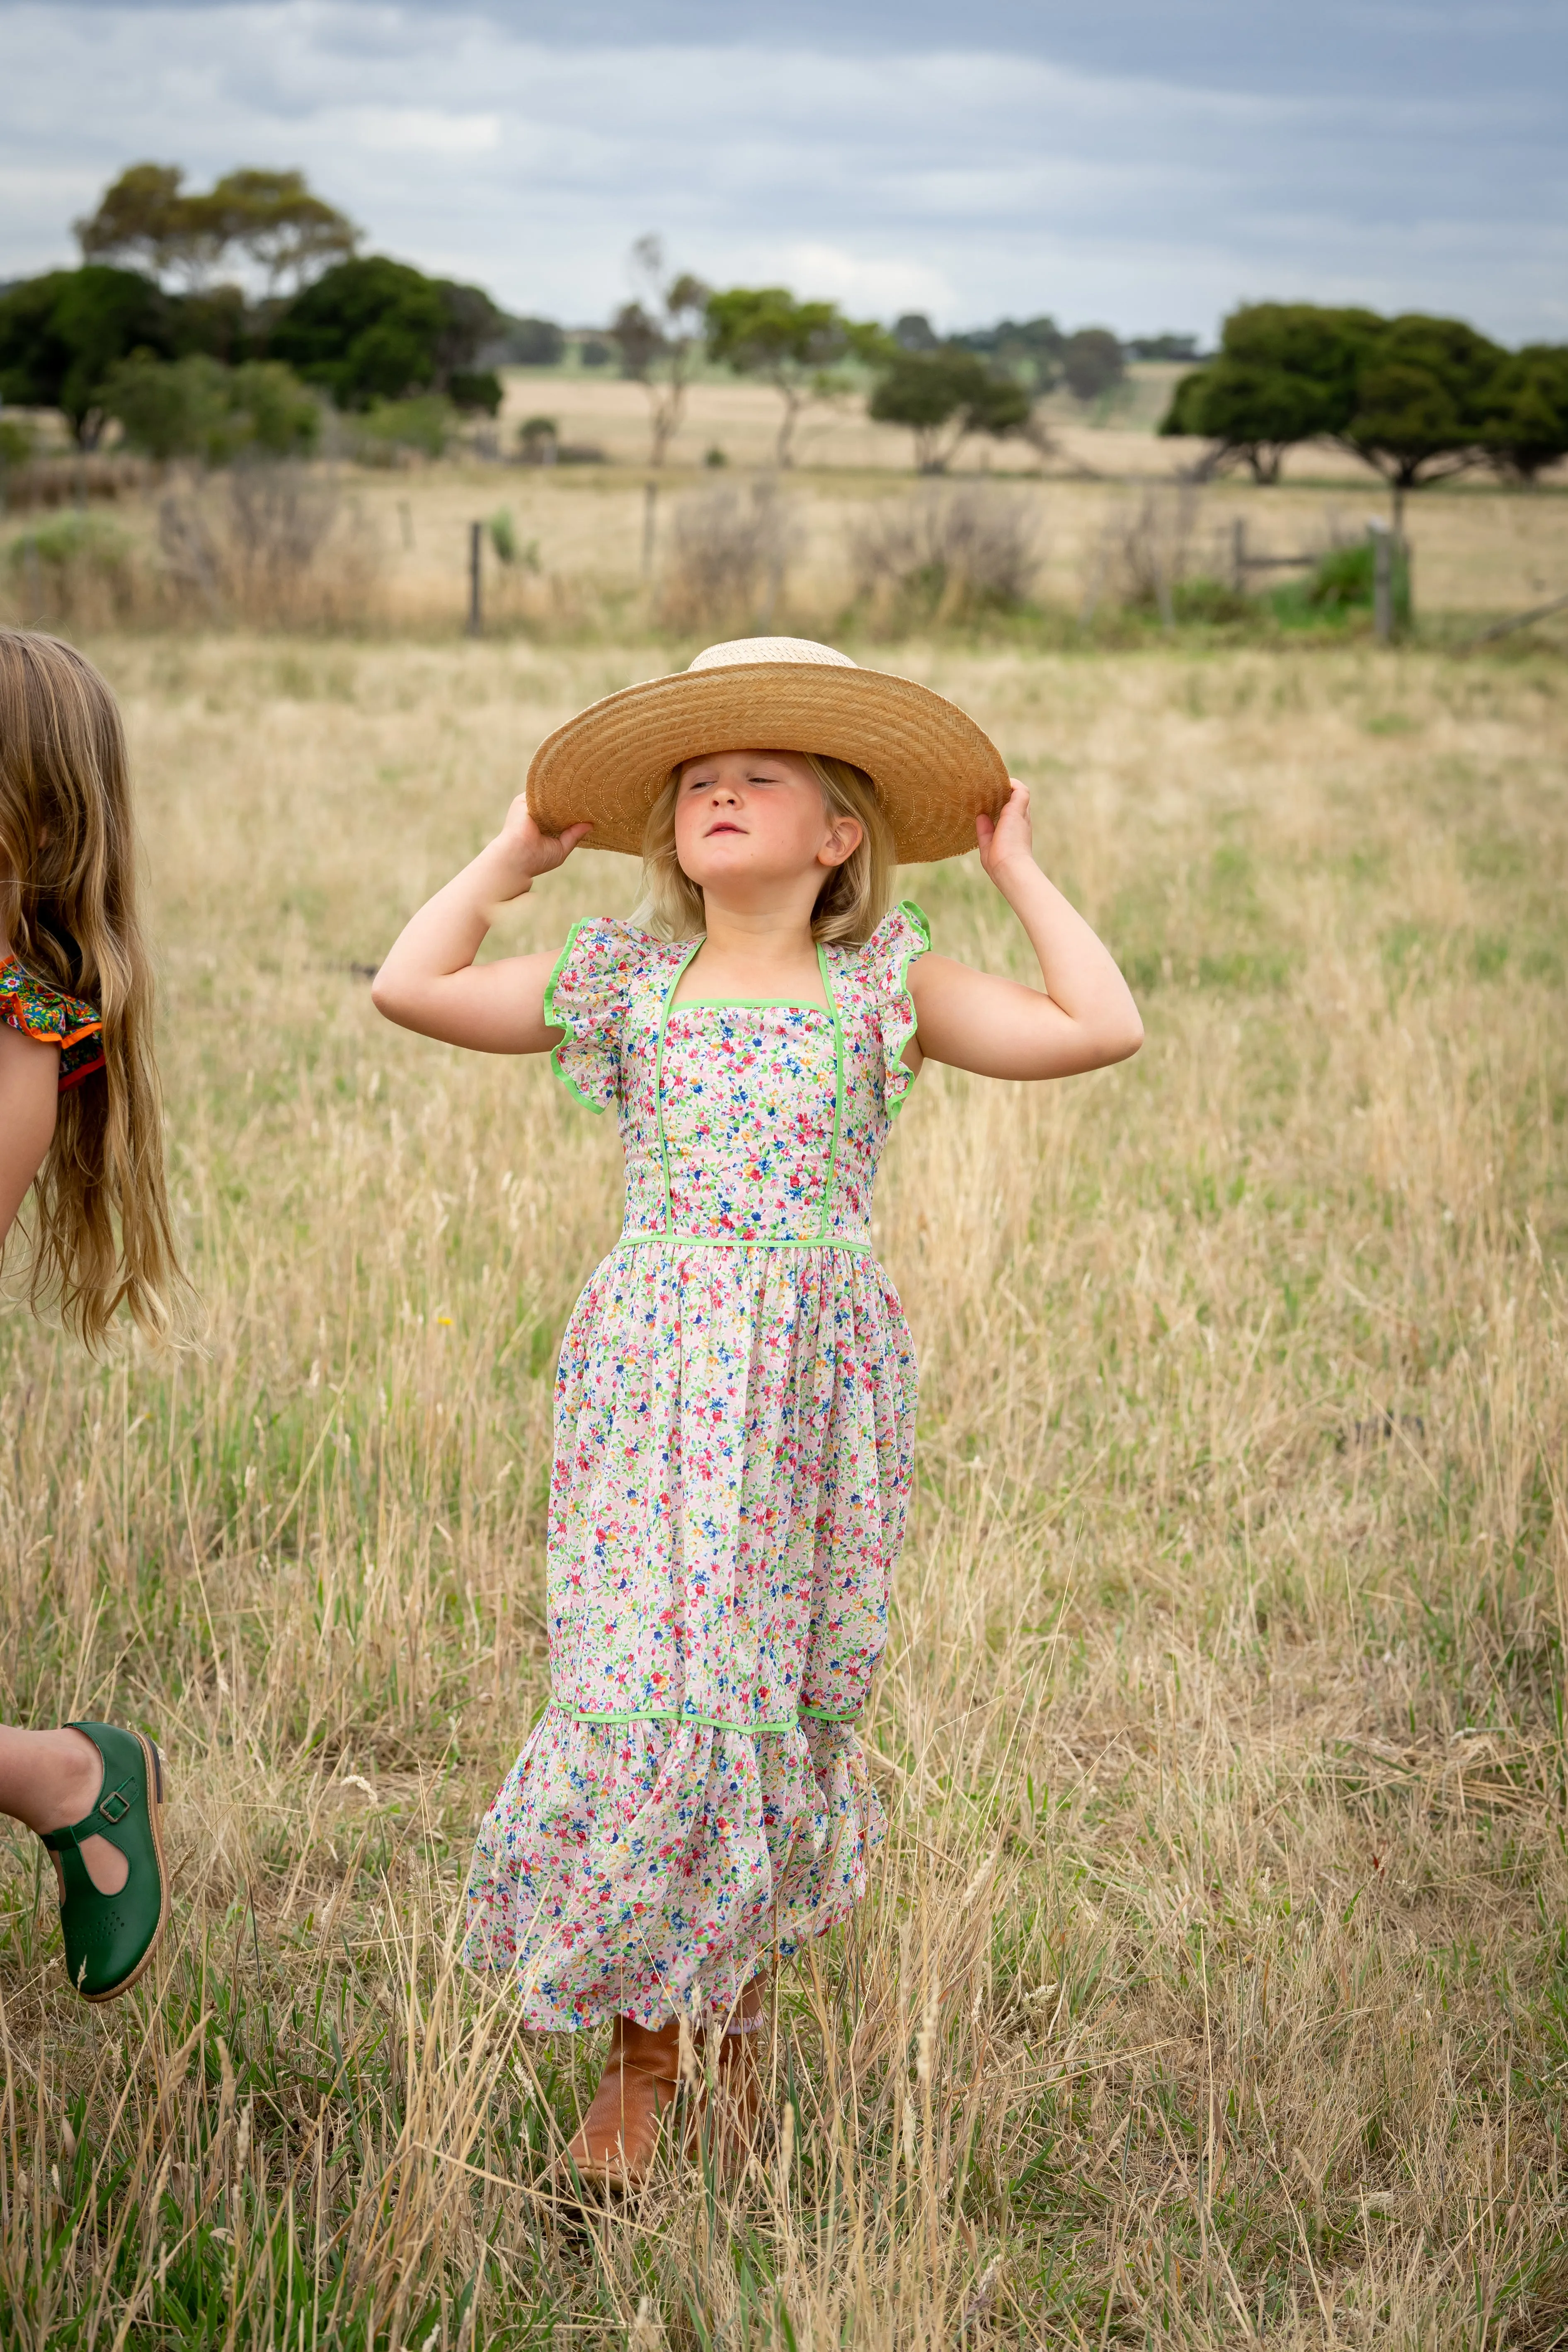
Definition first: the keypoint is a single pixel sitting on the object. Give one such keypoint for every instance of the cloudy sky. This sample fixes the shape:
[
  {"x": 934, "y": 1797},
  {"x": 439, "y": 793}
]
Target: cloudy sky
[{"x": 1144, "y": 163}]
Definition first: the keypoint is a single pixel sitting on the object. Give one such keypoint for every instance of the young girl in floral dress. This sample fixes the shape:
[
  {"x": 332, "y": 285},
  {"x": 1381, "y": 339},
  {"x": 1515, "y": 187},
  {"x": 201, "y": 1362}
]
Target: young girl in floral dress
[
  {"x": 735, "y": 1400},
  {"x": 79, "y": 1127}
]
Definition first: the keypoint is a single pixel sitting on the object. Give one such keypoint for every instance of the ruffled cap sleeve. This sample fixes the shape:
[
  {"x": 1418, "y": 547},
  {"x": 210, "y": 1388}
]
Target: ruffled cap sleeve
[
  {"x": 586, "y": 996},
  {"x": 883, "y": 969},
  {"x": 54, "y": 1018}
]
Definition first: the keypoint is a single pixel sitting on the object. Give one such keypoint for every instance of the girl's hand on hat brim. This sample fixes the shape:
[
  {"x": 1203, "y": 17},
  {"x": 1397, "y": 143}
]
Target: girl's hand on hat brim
[
  {"x": 1008, "y": 840},
  {"x": 521, "y": 851}
]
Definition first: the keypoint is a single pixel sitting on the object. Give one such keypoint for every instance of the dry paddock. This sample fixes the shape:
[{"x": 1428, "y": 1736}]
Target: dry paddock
[{"x": 1213, "y": 1989}]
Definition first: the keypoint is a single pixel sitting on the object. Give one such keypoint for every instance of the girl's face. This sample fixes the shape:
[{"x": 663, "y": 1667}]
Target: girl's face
[{"x": 751, "y": 818}]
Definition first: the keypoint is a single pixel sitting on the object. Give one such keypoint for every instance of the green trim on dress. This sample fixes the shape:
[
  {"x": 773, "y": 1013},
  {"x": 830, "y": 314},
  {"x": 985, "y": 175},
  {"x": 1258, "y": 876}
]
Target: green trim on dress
[
  {"x": 704, "y": 1722},
  {"x": 915, "y": 916},
  {"x": 822, "y": 965},
  {"x": 732, "y": 1241},
  {"x": 553, "y": 1021}
]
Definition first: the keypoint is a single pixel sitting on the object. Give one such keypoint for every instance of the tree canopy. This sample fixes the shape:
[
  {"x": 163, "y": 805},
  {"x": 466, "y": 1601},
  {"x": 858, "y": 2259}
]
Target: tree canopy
[
  {"x": 148, "y": 216},
  {"x": 62, "y": 333},
  {"x": 1417, "y": 398},
  {"x": 375, "y": 330},
  {"x": 944, "y": 395},
  {"x": 763, "y": 332},
  {"x": 1527, "y": 410},
  {"x": 659, "y": 335}
]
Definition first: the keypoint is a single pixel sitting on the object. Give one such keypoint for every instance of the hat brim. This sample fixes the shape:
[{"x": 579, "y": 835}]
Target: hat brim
[{"x": 935, "y": 770}]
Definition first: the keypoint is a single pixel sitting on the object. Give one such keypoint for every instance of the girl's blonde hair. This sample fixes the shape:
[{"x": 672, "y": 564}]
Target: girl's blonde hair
[
  {"x": 853, "y": 899},
  {"x": 67, "y": 908}
]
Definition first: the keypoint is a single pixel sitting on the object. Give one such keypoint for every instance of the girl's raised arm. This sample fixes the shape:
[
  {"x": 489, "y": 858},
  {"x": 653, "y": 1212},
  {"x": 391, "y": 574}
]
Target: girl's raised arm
[
  {"x": 1084, "y": 1018},
  {"x": 429, "y": 981}
]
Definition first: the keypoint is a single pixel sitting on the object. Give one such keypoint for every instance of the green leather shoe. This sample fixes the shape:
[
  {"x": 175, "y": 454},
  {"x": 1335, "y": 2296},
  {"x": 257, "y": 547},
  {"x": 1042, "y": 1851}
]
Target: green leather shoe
[{"x": 109, "y": 1939}]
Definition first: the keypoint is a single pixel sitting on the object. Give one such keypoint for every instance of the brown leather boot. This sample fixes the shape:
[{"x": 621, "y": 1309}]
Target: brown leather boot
[
  {"x": 735, "y": 2117},
  {"x": 612, "y": 2147}
]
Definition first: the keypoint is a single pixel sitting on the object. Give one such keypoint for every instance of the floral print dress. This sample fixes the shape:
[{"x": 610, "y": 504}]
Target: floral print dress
[{"x": 734, "y": 1417}]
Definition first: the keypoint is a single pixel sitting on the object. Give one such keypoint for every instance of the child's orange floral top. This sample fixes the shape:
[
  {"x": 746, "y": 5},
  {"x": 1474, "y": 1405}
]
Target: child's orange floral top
[{"x": 54, "y": 1018}]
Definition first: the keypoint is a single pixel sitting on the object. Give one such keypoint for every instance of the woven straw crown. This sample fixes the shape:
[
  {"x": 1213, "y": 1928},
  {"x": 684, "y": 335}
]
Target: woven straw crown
[{"x": 933, "y": 767}]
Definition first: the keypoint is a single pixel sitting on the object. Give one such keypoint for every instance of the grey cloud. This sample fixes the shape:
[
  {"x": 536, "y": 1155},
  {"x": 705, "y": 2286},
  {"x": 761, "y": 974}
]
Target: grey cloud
[{"x": 484, "y": 140}]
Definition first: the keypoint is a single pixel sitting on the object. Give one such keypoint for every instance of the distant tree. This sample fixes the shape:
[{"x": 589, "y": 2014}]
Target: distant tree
[
  {"x": 659, "y": 336},
  {"x": 943, "y": 396},
  {"x": 1414, "y": 397},
  {"x": 375, "y": 330},
  {"x": 149, "y": 215},
  {"x": 1033, "y": 347},
  {"x": 196, "y": 407},
  {"x": 62, "y": 333},
  {"x": 800, "y": 348},
  {"x": 914, "y": 332},
  {"x": 146, "y": 215},
  {"x": 1092, "y": 362},
  {"x": 1285, "y": 372},
  {"x": 1161, "y": 347},
  {"x": 273, "y": 217},
  {"x": 216, "y": 320},
  {"x": 1527, "y": 410},
  {"x": 595, "y": 350},
  {"x": 530, "y": 343},
  {"x": 1420, "y": 409},
  {"x": 1251, "y": 414}
]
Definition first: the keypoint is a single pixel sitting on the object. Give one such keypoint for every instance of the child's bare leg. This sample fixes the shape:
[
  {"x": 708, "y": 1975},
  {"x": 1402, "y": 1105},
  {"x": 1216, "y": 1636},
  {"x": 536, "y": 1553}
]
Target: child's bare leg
[{"x": 51, "y": 1780}]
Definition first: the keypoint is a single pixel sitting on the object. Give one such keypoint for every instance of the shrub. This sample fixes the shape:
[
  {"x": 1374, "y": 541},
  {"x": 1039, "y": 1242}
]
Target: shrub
[
  {"x": 945, "y": 556},
  {"x": 725, "y": 560},
  {"x": 196, "y": 407},
  {"x": 398, "y": 429},
  {"x": 1202, "y": 598},
  {"x": 16, "y": 441},
  {"x": 77, "y": 571},
  {"x": 275, "y": 544},
  {"x": 538, "y": 440},
  {"x": 1144, "y": 554},
  {"x": 504, "y": 540},
  {"x": 476, "y": 392},
  {"x": 1341, "y": 581}
]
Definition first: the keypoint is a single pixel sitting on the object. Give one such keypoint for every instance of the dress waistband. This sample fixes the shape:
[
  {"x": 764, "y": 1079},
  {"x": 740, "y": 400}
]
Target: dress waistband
[
  {"x": 729, "y": 1241},
  {"x": 703, "y": 1722}
]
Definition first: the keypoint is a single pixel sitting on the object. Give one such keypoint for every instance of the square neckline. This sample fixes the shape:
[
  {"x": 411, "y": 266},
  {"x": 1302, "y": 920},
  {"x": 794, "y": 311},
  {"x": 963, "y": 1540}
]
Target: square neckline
[{"x": 674, "y": 1002}]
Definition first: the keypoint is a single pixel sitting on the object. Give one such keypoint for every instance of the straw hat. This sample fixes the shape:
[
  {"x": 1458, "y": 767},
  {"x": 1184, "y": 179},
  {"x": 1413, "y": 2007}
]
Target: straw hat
[{"x": 933, "y": 769}]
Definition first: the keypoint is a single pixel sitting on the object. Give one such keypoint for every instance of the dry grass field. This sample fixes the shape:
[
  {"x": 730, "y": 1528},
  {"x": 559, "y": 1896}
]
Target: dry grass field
[
  {"x": 1214, "y": 1988},
  {"x": 377, "y": 551}
]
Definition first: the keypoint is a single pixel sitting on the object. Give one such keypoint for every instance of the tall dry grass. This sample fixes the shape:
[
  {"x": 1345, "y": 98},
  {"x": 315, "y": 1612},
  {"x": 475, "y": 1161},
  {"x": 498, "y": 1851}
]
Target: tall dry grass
[{"x": 1213, "y": 1987}]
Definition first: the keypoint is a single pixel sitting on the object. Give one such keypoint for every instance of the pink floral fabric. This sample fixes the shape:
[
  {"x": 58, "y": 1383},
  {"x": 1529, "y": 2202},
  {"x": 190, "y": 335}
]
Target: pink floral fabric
[
  {"x": 735, "y": 1419},
  {"x": 54, "y": 1018}
]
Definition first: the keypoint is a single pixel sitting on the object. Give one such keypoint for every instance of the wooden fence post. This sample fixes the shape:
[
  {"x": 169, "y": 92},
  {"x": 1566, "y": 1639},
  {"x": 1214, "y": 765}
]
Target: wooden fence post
[
  {"x": 1239, "y": 554},
  {"x": 476, "y": 579},
  {"x": 1382, "y": 539},
  {"x": 649, "y": 505}
]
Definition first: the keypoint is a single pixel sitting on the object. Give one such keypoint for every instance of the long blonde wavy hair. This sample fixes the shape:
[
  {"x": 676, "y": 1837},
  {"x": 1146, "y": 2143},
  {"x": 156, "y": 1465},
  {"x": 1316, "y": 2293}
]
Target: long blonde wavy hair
[
  {"x": 102, "y": 1231},
  {"x": 853, "y": 899}
]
